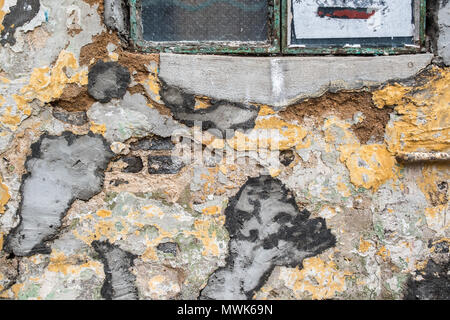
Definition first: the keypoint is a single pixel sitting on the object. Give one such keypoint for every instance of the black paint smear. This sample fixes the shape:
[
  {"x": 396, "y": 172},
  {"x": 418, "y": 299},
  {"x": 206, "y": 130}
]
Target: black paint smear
[
  {"x": 100, "y": 85},
  {"x": 117, "y": 261},
  {"x": 20, "y": 14},
  {"x": 182, "y": 105},
  {"x": 265, "y": 218},
  {"x": 36, "y": 153},
  {"x": 435, "y": 284}
]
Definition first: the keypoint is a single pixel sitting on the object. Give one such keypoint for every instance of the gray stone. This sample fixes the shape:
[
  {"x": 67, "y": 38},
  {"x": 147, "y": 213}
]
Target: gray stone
[
  {"x": 134, "y": 164},
  {"x": 266, "y": 230},
  {"x": 168, "y": 247},
  {"x": 108, "y": 80},
  {"x": 119, "y": 283},
  {"x": 77, "y": 118},
  {"x": 131, "y": 117},
  {"x": 164, "y": 165},
  {"x": 153, "y": 143},
  {"x": 444, "y": 31},
  {"x": 280, "y": 81},
  {"x": 60, "y": 170}
]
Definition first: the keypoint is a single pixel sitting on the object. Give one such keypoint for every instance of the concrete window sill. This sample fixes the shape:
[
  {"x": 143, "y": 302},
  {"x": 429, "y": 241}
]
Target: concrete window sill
[{"x": 280, "y": 81}]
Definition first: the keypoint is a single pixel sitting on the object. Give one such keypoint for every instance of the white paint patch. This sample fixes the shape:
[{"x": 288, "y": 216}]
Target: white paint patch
[{"x": 393, "y": 18}]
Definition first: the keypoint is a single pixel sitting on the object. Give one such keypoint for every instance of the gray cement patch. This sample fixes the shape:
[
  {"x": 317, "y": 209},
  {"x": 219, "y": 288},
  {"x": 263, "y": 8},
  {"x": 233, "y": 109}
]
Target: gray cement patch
[
  {"x": 266, "y": 229},
  {"x": 60, "y": 170},
  {"x": 279, "y": 81},
  {"x": 108, "y": 80},
  {"x": 120, "y": 281}
]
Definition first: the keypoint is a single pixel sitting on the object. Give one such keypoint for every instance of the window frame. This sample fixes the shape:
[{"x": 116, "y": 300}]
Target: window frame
[
  {"x": 278, "y": 38},
  {"x": 213, "y": 47},
  {"x": 296, "y": 50}
]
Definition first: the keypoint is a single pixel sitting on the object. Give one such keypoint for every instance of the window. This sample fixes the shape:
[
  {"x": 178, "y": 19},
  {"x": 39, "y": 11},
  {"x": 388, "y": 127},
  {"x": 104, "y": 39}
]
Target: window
[{"x": 278, "y": 26}]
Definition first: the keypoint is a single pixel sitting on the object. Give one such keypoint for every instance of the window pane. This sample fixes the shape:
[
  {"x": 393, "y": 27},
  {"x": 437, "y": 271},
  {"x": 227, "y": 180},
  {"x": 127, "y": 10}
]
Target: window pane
[
  {"x": 205, "y": 20},
  {"x": 318, "y": 23}
]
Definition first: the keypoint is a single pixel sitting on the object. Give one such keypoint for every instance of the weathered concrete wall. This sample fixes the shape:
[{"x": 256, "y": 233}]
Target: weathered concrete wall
[{"x": 126, "y": 175}]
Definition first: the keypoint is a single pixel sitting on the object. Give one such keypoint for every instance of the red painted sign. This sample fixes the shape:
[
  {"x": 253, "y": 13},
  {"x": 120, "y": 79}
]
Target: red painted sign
[{"x": 345, "y": 13}]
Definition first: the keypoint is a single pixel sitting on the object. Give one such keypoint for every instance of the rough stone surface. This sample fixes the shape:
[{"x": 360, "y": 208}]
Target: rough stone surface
[
  {"x": 281, "y": 81},
  {"x": 168, "y": 247},
  {"x": 60, "y": 170},
  {"x": 77, "y": 118},
  {"x": 154, "y": 143},
  {"x": 131, "y": 117},
  {"x": 164, "y": 164},
  {"x": 134, "y": 164},
  {"x": 266, "y": 229},
  {"x": 108, "y": 80}
]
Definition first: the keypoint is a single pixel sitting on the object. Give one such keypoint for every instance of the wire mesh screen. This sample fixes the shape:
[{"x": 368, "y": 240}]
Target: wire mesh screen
[{"x": 205, "y": 20}]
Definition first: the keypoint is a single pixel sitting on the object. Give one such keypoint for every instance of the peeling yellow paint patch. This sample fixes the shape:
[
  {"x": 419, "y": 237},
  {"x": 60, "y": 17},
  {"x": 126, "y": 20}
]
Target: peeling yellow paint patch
[
  {"x": 274, "y": 172},
  {"x": 47, "y": 84},
  {"x": 321, "y": 279},
  {"x": 370, "y": 166},
  {"x": 343, "y": 189},
  {"x": 384, "y": 253},
  {"x": 390, "y": 95},
  {"x": 60, "y": 263},
  {"x": 1, "y": 241},
  {"x": 2, "y": 14},
  {"x": 271, "y": 133},
  {"x": 9, "y": 119},
  {"x": 202, "y": 233},
  {"x": 424, "y": 122},
  {"x": 98, "y": 128},
  {"x": 265, "y": 111},
  {"x": 364, "y": 245},
  {"x": 4, "y": 196},
  {"x": 104, "y": 213},
  {"x": 153, "y": 84},
  {"x": 202, "y": 103},
  {"x": 212, "y": 210},
  {"x": 16, "y": 289},
  {"x": 3, "y": 79}
]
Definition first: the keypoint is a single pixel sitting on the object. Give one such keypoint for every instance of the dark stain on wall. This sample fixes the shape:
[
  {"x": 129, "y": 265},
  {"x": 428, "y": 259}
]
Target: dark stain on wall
[
  {"x": 108, "y": 80},
  {"x": 153, "y": 143},
  {"x": 134, "y": 164},
  {"x": 266, "y": 229},
  {"x": 61, "y": 169},
  {"x": 434, "y": 283},
  {"x": 119, "y": 281},
  {"x": 164, "y": 164},
  {"x": 221, "y": 115},
  {"x": 20, "y": 14},
  {"x": 168, "y": 247}
]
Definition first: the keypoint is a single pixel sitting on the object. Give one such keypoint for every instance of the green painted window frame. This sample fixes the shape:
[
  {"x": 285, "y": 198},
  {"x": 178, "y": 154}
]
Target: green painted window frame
[
  {"x": 270, "y": 47},
  {"x": 295, "y": 50},
  {"x": 278, "y": 38}
]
